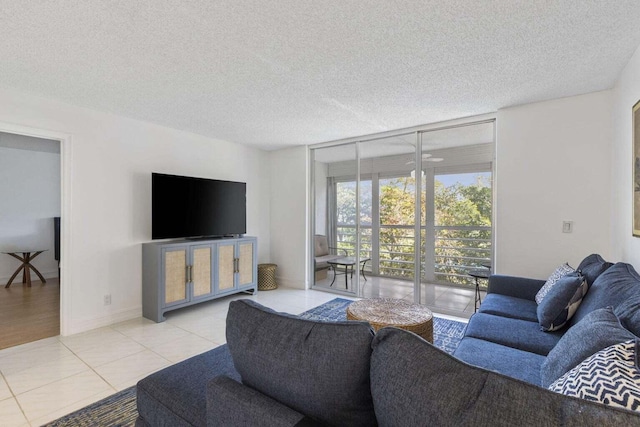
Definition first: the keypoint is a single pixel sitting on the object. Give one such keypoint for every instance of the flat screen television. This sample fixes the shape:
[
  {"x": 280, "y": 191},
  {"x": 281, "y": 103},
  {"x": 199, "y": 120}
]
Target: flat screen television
[{"x": 188, "y": 207}]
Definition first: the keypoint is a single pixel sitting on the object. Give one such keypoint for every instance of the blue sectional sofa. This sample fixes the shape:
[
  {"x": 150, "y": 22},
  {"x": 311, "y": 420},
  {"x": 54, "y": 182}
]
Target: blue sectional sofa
[
  {"x": 280, "y": 370},
  {"x": 505, "y": 335}
]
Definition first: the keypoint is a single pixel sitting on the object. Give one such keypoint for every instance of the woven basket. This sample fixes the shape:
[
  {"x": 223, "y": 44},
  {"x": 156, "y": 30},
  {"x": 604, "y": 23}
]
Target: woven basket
[{"x": 267, "y": 277}]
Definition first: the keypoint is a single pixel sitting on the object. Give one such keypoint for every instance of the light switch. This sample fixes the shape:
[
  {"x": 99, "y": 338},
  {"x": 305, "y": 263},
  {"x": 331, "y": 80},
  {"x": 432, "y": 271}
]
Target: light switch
[{"x": 567, "y": 226}]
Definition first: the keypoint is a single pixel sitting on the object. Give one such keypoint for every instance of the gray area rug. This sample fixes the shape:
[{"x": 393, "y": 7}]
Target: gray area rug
[{"x": 119, "y": 410}]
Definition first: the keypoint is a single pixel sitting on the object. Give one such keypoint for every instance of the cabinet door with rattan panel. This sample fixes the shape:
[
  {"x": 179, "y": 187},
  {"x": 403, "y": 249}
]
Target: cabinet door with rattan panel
[
  {"x": 201, "y": 274},
  {"x": 226, "y": 267},
  {"x": 175, "y": 275},
  {"x": 246, "y": 264}
]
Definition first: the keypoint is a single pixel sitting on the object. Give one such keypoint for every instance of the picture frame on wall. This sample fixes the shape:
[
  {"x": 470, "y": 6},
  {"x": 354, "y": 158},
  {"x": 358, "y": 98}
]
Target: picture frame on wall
[{"x": 636, "y": 168}]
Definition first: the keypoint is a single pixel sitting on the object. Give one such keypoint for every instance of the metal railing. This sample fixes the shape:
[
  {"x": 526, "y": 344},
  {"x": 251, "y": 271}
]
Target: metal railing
[{"x": 457, "y": 249}]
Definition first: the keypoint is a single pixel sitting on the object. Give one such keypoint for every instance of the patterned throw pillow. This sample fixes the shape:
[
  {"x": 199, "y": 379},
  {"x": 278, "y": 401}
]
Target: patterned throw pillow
[
  {"x": 561, "y": 271},
  {"x": 562, "y": 301},
  {"x": 611, "y": 376}
]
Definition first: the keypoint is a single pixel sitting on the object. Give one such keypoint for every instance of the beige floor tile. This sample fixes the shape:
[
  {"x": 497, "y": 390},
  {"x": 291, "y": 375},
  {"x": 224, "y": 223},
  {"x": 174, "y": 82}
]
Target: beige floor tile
[
  {"x": 101, "y": 355},
  {"x": 183, "y": 348},
  {"x": 11, "y": 415},
  {"x": 63, "y": 393},
  {"x": 45, "y": 373},
  {"x": 16, "y": 362},
  {"x": 128, "y": 370},
  {"x": 5, "y": 393}
]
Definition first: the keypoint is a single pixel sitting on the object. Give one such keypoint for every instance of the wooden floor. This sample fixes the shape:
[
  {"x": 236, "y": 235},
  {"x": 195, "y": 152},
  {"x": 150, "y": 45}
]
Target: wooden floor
[{"x": 29, "y": 314}]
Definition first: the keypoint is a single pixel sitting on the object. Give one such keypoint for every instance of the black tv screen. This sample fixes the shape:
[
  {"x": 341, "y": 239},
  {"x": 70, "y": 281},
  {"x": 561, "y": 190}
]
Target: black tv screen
[{"x": 184, "y": 206}]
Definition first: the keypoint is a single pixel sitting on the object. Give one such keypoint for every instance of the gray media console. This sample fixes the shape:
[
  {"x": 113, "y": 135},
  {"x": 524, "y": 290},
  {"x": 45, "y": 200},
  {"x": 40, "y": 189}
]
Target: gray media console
[{"x": 180, "y": 273}]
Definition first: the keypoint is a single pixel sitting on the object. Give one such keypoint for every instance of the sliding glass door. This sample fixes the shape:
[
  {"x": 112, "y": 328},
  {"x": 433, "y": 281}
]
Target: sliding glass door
[{"x": 407, "y": 210}]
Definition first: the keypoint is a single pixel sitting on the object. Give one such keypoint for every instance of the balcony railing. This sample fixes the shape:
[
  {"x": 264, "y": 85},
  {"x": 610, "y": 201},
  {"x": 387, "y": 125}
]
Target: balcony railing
[{"x": 457, "y": 249}]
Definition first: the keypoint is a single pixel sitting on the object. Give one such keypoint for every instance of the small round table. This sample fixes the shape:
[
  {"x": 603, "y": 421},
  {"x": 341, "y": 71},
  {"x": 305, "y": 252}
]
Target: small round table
[
  {"x": 25, "y": 257},
  {"x": 381, "y": 312},
  {"x": 479, "y": 274}
]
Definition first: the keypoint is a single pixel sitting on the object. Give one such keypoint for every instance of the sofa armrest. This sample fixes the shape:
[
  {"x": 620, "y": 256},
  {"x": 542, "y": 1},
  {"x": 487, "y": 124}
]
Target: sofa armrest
[
  {"x": 230, "y": 403},
  {"x": 518, "y": 287}
]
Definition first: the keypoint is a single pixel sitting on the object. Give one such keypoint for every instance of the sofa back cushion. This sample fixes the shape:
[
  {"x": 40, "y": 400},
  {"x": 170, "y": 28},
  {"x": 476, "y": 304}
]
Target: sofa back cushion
[
  {"x": 321, "y": 246},
  {"x": 593, "y": 266},
  {"x": 320, "y": 369},
  {"x": 414, "y": 383},
  {"x": 598, "y": 330},
  {"x": 615, "y": 286}
]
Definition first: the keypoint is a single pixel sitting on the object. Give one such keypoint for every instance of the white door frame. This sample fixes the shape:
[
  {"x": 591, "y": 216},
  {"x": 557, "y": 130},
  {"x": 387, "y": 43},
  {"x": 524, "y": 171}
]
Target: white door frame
[{"x": 65, "y": 210}]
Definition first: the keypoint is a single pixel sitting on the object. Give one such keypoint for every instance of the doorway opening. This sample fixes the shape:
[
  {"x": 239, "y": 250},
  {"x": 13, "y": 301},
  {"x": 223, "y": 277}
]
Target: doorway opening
[{"x": 30, "y": 290}]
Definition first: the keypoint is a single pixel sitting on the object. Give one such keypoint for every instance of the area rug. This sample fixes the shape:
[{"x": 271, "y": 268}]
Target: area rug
[
  {"x": 120, "y": 409},
  {"x": 446, "y": 333}
]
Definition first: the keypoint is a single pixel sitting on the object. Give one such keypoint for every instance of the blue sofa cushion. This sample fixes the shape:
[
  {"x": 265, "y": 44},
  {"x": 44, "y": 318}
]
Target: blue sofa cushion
[
  {"x": 629, "y": 314},
  {"x": 593, "y": 266},
  {"x": 561, "y": 302},
  {"x": 515, "y": 333},
  {"x": 320, "y": 369},
  {"x": 611, "y": 376},
  {"x": 507, "y": 306},
  {"x": 508, "y": 361},
  {"x": 598, "y": 330},
  {"x": 416, "y": 384},
  {"x": 558, "y": 274},
  {"x": 615, "y": 286},
  {"x": 177, "y": 395}
]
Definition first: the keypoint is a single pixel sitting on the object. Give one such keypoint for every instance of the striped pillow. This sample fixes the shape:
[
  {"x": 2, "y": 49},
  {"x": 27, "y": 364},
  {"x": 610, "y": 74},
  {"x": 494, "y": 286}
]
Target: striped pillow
[{"x": 611, "y": 376}]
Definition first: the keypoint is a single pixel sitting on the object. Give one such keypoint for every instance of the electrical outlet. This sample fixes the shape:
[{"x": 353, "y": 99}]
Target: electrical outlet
[
  {"x": 107, "y": 299},
  {"x": 567, "y": 226}
]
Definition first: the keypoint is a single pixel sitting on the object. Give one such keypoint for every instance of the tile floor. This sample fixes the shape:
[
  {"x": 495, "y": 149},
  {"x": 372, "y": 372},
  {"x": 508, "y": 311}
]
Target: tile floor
[
  {"x": 46, "y": 379},
  {"x": 450, "y": 300}
]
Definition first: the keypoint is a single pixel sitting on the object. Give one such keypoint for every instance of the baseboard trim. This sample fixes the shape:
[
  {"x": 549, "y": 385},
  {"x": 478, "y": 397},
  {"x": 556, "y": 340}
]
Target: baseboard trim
[
  {"x": 290, "y": 283},
  {"x": 89, "y": 323}
]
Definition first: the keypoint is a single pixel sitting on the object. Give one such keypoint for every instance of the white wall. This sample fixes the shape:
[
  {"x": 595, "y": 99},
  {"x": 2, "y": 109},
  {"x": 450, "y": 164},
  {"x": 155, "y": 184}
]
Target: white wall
[
  {"x": 625, "y": 94},
  {"x": 289, "y": 212},
  {"x": 320, "y": 182},
  {"x": 30, "y": 194},
  {"x": 110, "y": 180},
  {"x": 553, "y": 163}
]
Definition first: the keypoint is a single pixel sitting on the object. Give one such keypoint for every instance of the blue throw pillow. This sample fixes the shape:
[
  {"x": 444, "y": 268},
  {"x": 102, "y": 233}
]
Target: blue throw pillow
[
  {"x": 598, "y": 330},
  {"x": 593, "y": 266},
  {"x": 559, "y": 273},
  {"x": 611, "y": 376},
  {"x": 561, "y": 302}
]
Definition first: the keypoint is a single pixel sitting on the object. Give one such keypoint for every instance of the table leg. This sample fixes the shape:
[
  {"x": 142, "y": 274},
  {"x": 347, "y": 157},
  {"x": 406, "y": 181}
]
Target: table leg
[
  {"x": 362, "y": 270},
  {"x": 478, "y": 297},
  {"x": 346, "y": 274},
  {"x": 26, "y": 268},
  {"x": 335, "y": 273}
]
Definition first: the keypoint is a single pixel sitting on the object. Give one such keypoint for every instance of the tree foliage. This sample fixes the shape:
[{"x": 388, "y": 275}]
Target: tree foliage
[{"x": 456, "y": 208}]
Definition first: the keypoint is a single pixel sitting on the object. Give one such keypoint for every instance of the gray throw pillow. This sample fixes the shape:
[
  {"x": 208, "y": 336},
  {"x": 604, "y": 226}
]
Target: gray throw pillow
[
  {"x": 559, "y": 273},
  {"x": 599, "y": 329},
  {"x": 611, "y": 376},
  {"x": 320, "y": 369},
  {"x": 562, "y": 301}
]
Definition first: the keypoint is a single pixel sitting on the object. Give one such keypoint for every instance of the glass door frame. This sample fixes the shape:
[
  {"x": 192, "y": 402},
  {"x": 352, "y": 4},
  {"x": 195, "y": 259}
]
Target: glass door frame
[{"x": 419, "y": 193}]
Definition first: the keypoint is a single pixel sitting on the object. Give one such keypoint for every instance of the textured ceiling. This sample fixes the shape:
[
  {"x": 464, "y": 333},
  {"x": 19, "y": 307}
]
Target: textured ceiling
[{"x": 289, "y": 72}]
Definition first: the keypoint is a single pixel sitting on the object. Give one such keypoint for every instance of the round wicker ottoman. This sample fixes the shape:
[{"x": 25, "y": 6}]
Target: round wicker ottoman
[
  {"x": 381, "y": 312},
  {"x": 267, "y": 277}
]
